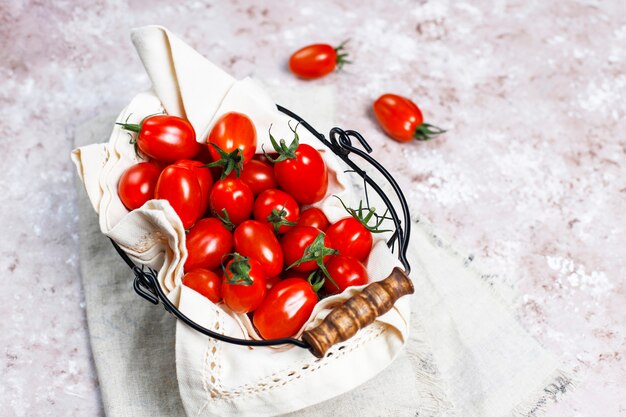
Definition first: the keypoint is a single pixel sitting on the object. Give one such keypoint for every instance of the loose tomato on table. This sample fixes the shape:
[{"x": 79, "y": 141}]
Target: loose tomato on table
[
  {"x": 256, "y": 241},
  {"x": 402, "y": 120},
  {"x": 305, "y": 248},
  {"x": 231, "y": 199},
  {"x": 276, "y": 209},
  {"x": 314, "y": 217},
  {"x": 317, "y": 60},
  {"x": 137, "y": 184},
  {"x": 345, "y": 272},
  {"x": 208, "y": 242},
  {"x": 300, "y": 170},
  {"x": 205, "y": 179},
  {"x": 180, "y": 187},
  {"x": 205, "y": 282},
  {"x": 232, "y": 142},
  {"x": 243, "y": 286},
  {"x": 164, "y": 138},
  {"x": 285, "y": 309},
  {"x": 258, "y": 175}
]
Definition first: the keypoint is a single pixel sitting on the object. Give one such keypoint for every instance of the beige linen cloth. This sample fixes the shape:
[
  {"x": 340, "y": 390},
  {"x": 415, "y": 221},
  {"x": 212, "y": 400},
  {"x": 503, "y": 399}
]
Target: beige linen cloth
[{"x": 466, "y": 356}]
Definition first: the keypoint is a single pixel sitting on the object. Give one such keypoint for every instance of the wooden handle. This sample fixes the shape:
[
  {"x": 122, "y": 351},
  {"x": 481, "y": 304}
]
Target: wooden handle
[{"x": 357, "y": 312}]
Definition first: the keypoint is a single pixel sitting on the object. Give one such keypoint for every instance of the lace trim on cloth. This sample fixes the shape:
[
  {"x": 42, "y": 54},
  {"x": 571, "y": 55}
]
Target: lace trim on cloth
[{"x": 211, "y": 369}]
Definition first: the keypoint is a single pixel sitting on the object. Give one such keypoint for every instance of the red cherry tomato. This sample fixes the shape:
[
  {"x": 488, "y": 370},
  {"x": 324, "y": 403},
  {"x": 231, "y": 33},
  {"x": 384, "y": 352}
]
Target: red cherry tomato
[
  {"x": 204, "y": 179},
  {"x": 346, "y": 272},
  {"x": 294, "y": 244},
  {"x": 314, "y": 217},
  {"x": 276, "y": 209},
  {"x": 257, "y": 241},
  {"x": 402, "y": 120},
  {"x": 208, "y": 242},
  {"x": 350, "y": 238},
  {"x": 287, "y": 306},
  {"x": 239, "y": 296},
  {"x": 258, "y": 175},
  {"x": 180, "y": 187},
  {"x": 231, "y": 131},
  {"x": 234, "y": 196},
  {"x": 137, "y": 184},
  {"x": 305, "y": 177},
  {"x": 165, "y": 138},
  {"x": 317, "y": 60},
  {"x": 207, "y": 283}
]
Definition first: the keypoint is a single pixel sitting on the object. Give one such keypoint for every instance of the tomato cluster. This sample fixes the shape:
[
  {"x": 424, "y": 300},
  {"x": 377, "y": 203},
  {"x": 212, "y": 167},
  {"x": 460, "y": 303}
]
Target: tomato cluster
[{"x": 254, "y": 241}]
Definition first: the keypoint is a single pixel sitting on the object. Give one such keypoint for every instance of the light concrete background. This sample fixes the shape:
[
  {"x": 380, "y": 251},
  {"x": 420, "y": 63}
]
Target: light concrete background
[{"x": 530, "y": 176}]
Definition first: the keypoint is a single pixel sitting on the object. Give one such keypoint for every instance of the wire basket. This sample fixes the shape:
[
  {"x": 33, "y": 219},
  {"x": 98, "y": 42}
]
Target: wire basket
[{"x": 355, "y": 313}]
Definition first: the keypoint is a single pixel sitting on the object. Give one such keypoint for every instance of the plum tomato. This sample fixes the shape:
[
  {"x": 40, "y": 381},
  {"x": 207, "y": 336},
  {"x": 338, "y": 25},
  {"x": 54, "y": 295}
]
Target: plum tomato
[
  {"x": 276, "y": 209},
  {"x": 137, "y": 184},
  {"x": 208, "y": 243},
  {"x": 165, "y": 138},
  {"x": 243, "y": 285},
  {"x": 256, "y": 241},
  {"x": 350, "y": 238},
  {"x": 317, "y": 60},
  {"x": 234, "y": 197},
  {"x": 180, "y": 187},
  {"x": 345, "y": 272},
  {"x": 305, "y": 248},
  {"x": 314, "y": 217},
  {"x": 402, "y": 120},
  {"x": 285, "y": 309},
  {"x": 205, "y": 282}
]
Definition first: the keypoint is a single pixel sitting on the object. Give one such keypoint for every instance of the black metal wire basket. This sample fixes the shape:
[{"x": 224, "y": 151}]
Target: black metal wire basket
[{"x": 339, "y": 142}]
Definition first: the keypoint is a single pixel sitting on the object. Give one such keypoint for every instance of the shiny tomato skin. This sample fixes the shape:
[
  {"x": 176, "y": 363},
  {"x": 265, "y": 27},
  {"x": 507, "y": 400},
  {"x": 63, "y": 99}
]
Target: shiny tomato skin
[
  {"x": 234, "y": 196},
  {"x": 273, "y": 199},
  {"x": 351, "y": 238},
  {"x": 346, "y": 272},
  {"x": 205, "y": 179},
  {"x": 231, "y": 131},
  {"x": 208, "y": 243},
  {"x": 294, "y": 243},
  {"x": 205, "y": 282},
  {"x": 314, "y": 217},
  {"x": 180, "y": 187},
  {"x": 285, "y": 309},
  {"x": 256, "y": 241},
  {"x": 167, "y": 138},
  {"x": 245, "y": 298},
  {"x": 304, "y": 177},
  {"x": 137, "y": 184},
  {"x": 313, "y": 61},
  {"x": 258, "y": 175},
  {"x": 398, "y": 116}
]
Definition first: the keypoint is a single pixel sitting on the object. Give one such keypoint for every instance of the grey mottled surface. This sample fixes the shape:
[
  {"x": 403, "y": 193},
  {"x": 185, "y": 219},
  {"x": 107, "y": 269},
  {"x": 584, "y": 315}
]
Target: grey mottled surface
[{"x": 530, "y": 175}]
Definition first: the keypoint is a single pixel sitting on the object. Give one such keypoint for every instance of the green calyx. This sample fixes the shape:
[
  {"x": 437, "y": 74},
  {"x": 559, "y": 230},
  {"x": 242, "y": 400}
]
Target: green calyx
[
  {"x": 427, "y": 131},
  {"x": 316, "y": 280},
  {"x": 284, "y": 152},
  {"x": 316, "y": 251},
  {"x": 278, "y": 218},
  {"x": 225, "y": 219},
  {"x": 342, "y": 55},
  {"x": 230, "y": 162},
  {"x": 239, "y": 270},
  {"x": 364, "y": 215}
]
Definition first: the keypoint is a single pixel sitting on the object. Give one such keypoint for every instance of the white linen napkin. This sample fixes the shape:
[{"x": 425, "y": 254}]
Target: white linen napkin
[{"x": 467, "y": 355}]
